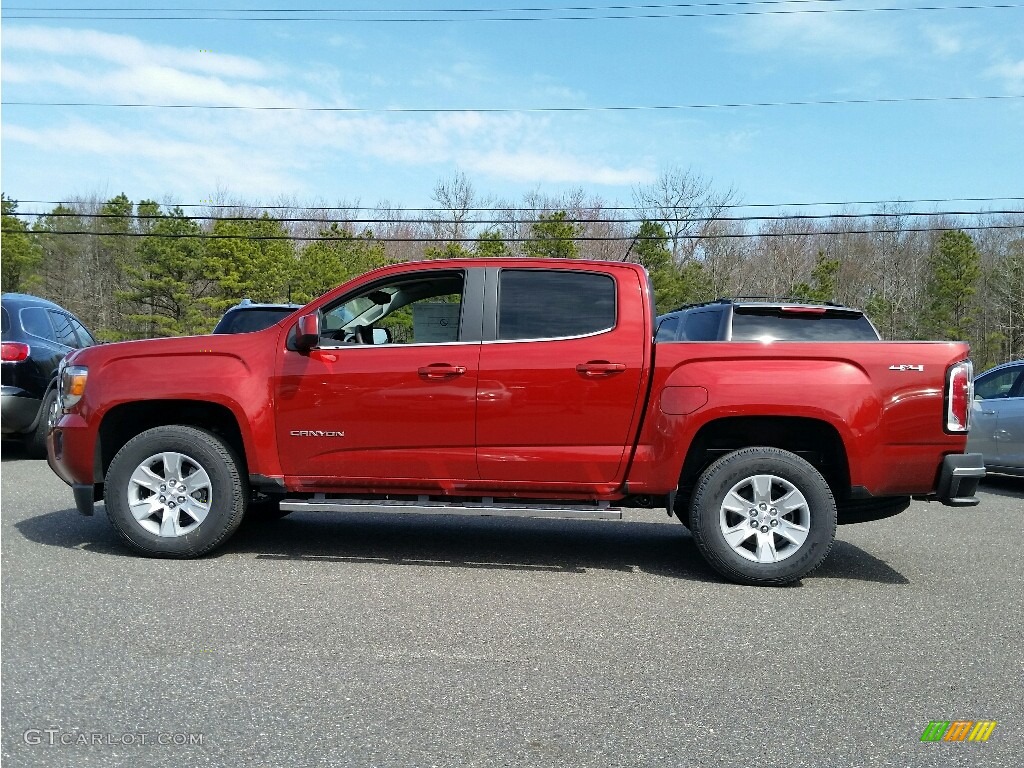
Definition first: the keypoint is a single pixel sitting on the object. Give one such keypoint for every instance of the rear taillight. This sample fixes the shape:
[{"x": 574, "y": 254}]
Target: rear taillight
[
  {"x": 15, "y": 351},
  {"x": 959, "y": 394}
]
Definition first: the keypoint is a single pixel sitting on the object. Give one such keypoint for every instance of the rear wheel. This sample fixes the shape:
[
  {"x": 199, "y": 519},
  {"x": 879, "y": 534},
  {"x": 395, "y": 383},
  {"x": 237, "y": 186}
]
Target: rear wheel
[
  {"x": 175, "y": 492},
  {"x": 763, "y": 516}
]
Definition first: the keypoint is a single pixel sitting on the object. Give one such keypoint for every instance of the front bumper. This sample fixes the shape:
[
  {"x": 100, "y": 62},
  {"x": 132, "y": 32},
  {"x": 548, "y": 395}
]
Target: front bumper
[
  {"x": 71, "y": 454},
  {"x": 959, "y": 476}
]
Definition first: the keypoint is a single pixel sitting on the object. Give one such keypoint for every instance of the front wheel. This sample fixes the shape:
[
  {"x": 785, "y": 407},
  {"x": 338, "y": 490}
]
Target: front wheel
[
  {"x": 175, "y": 492},
  {"x": 49, "y": 411},
  {"x": 763, "y": 516}
]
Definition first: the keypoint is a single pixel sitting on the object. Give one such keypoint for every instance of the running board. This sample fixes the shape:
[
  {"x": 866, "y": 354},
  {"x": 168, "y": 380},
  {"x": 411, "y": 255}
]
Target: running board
[{"x": 486, "y": 508}]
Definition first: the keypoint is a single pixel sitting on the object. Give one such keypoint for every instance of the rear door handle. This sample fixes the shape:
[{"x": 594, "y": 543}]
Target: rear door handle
[
  {"x": 600, "y": 368},
  {"x": 441, "y": 371}
]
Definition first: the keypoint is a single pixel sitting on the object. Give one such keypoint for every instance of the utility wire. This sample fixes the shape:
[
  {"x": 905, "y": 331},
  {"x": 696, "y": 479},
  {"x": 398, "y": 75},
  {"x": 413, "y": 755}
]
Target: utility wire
[
  {"x": 582, "y": 239},
  {"x": 527, "y": 209},
  {"x": 511, "y": 110},
  {"x": 470, "y": 222},
  {"x": 345, "y": 11},
  {"x": 139, "y": 16}
]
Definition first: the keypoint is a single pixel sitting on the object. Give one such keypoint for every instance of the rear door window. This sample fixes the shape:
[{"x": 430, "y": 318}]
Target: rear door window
[
  {"x": 535, "y": 304},
  {"x": 36, "y": 321}
]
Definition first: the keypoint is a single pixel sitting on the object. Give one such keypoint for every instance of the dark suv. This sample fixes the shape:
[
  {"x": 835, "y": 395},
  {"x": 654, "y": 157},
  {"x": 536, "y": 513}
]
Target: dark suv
[
  {"x": 764, "y": 320},
  {"x": 247, "y": 316},
  {"x": 37, "y": 334}
]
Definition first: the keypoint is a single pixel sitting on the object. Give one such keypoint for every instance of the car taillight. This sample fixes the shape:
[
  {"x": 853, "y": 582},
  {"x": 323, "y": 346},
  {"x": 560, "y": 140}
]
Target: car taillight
[
  {"x": 959, "y": 394},
  {"x": 15, "y": 351}
]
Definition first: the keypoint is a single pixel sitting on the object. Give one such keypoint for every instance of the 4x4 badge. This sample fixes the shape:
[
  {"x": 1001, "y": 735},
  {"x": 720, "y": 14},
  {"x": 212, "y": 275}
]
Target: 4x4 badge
[{"x": 906, "y": 367}]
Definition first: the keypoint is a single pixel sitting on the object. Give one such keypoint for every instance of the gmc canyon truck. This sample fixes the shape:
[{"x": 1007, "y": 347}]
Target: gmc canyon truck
[{"x": 520, "y": 387}]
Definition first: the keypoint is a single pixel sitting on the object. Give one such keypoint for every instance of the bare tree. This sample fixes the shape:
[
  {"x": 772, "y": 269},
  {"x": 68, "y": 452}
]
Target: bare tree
[{"x": 687, "y": 205}]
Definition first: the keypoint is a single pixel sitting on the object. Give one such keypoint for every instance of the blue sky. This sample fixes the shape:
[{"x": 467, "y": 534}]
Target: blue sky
[{"x": 780, "y": 154}]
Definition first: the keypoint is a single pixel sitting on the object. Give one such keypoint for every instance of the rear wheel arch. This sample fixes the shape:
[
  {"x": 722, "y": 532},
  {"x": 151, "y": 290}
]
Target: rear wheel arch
[{"x": 815, "y": 441}]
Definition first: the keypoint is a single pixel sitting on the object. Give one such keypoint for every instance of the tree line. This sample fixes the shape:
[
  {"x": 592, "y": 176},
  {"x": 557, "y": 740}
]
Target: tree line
[{"x": 136, "y": 270}]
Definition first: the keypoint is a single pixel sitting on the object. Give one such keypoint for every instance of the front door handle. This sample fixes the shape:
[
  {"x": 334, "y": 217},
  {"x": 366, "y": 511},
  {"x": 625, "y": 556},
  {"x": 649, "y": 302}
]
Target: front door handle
[
  {"x": 441, "y": 371},
  {"x": 600, "y": 368}
]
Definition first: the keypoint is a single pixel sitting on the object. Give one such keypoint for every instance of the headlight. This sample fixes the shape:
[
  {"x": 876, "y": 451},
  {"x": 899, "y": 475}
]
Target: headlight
[{"x": 72, "y": 384}]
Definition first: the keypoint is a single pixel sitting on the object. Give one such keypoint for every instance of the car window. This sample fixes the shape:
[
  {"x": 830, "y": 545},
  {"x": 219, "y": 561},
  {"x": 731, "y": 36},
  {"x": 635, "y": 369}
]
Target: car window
[
  {"x": 63, "y": 328},
  {"x": 997, "y": 385},
  {"x": 36, "y": 322},
  {"x": 409, "y": 310},
  {"x": 667, "y": 329},
  {"x": 85, "y": 339},
  {"x": 773, "y": 325},
  {"x": 5, "y": 321},
  {"x": 534, "y": 304},
  {"x": 250, "y": 320},
  {"x": 702, "y": 326}
]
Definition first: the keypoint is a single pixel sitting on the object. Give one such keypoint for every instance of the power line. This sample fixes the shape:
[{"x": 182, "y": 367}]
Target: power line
[
  {"x": 527, "y": 209},
  {"x": 582, "y": 239},
  {"x": 146, "y": 15},
  {"x": 470, "y": 222},
  {"x": 516, "y": 110},
  {"x": 349, "y": 11}
]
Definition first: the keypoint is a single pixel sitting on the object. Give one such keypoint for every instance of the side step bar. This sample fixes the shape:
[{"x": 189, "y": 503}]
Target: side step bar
[{"x": 486, "y": 508}]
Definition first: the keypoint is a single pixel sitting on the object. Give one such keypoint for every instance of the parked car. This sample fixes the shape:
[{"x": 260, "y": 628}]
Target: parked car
[
  {"x": 248, "y": 316},
  {"x": 763, "y": 320},
  {"x": 37, "y": 334},
  {"x": 517, "y": 388},
  {"x": 997, "y": 431}
]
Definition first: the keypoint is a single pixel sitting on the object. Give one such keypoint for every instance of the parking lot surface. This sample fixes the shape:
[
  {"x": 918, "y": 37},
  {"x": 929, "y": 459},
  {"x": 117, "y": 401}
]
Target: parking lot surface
[{"x": 368, "y": 640}]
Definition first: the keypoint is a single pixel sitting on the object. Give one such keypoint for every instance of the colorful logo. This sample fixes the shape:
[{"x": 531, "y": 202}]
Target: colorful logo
[{"x": 958, "y": 730}]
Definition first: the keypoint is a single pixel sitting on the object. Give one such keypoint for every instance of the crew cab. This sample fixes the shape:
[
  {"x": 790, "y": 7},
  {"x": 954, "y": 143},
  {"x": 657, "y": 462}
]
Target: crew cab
[{"x": 522, "y": 387}]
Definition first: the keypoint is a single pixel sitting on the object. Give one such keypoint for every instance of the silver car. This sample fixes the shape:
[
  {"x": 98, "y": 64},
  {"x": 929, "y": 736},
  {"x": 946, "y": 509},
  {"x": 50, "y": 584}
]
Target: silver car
[{"x": 997, "y": 428}]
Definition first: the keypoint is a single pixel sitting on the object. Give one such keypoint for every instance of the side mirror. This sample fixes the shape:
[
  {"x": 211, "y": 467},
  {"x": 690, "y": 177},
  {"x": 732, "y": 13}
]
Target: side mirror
[
  {"x": 307, "y": 332},
  {"x": 381, "y": 336}
]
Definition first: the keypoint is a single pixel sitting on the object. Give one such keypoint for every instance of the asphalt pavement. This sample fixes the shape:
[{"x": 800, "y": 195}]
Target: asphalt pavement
[{"x": 369, "y": 640}]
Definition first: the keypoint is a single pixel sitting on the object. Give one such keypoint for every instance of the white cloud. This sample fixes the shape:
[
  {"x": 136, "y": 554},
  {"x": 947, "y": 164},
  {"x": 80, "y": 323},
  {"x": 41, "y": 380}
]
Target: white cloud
[
  {"x": 554, "y": 168},
  {"x": 1011, "y": 73},
  {"x": 944, "y": 41},
  {"x": 816, "y": 35},
  {"x": 127, "y": 51},
  {"x": 266, "y": 152}
]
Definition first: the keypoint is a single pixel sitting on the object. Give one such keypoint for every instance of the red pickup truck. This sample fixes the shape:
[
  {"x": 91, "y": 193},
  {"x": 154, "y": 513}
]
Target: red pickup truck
[{"x": 521, "y": 387}]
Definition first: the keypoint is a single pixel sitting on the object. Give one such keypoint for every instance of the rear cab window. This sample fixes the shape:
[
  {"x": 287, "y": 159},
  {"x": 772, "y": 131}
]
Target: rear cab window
[{"x": 555, "y": 304}]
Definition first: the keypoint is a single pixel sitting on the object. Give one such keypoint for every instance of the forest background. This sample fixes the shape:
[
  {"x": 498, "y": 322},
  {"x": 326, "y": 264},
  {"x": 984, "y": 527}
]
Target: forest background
[{"x": 143, "y": 269}]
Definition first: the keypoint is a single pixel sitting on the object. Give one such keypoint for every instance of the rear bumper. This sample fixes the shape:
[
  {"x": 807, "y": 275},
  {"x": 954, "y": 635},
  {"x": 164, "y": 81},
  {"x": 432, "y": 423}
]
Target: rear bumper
[
  {"x": 18, "y": 410},
  {"x": 958, "y": 479}
]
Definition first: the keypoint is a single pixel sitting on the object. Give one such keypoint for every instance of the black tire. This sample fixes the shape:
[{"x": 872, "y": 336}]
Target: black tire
[
  {"x": 218, "y": 497},
  {"x": 785, "y": 496},
  {"x": 36, "y": 443}
]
